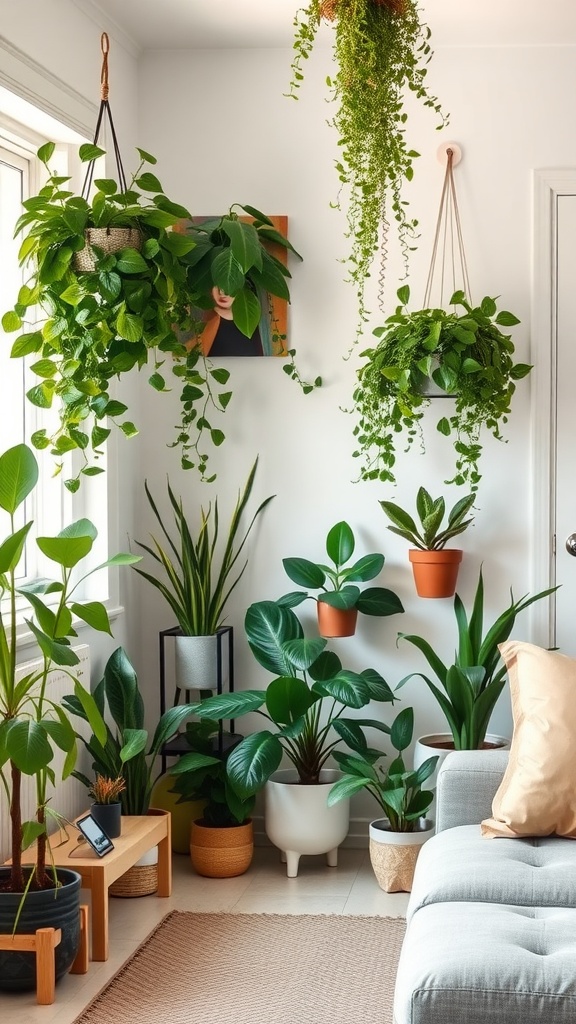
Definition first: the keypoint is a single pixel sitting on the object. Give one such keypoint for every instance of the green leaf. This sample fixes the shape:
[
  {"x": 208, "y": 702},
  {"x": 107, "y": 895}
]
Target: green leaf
[
  {"x": 402, "y": 729},
  {"x": 18, "y": 476},
  {"x": 268, "y": 626},
  {"x": 28, "y": 747},
  {"x": 88, "y": 151},
  {"x": 403, "y": 294},
  {"x": 46, "y": 151},
  {"x": 340, "y": 543},
  {"x": 246, "y": 312},
  {"x": 26, "y": 344},
  {"x": 244, "y": 244},
  {"x": 379, "y": 601},
  {"x": 11, "y": 322},
  {"x": 506, "y": 319},
  {"x": 66, "y": 551},
  {"x": 128, "y": 428},
  {"x": 157, "y": 382},
  {"x": 147, "y": 157},
  {"x": 227, "y": 273},
  {"x": 130, "y": 261},
  {"x": 303, "y": 572},
  {"x": 149, "y": 182},
  {"x": 488, "y": 306},
  {"x": 11, "y": 549},
  {"x": 95, "y": 614},
  {"x": 253, "y": 761},
  {"x": 288, "y": 699},
  {"x": 443, "y": 426}
]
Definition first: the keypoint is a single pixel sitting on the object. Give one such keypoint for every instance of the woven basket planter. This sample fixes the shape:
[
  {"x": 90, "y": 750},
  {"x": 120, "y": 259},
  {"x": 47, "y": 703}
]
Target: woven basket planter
[
  {"x": 221, "y": 852},
  {"x": 140, "y": 880},
  {"x": 107, "y": 239},
  {"x": 329, "y": 8}
]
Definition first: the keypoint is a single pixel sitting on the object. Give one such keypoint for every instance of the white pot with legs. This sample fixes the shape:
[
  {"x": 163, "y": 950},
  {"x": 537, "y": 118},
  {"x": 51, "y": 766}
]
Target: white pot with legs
[{"x": 298, "y": 820}]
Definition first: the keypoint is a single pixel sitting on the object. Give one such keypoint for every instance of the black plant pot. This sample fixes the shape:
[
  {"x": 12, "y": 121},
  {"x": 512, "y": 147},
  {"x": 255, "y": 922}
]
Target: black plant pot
[
  {"x": 108, "y": 817},
  {"x": 51, "y": 908}
]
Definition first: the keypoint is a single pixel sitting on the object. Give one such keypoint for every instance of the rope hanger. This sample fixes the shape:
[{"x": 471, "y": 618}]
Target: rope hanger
[
  {"x": 104, "y": 114},
  {"x": 448, "y": 237}
]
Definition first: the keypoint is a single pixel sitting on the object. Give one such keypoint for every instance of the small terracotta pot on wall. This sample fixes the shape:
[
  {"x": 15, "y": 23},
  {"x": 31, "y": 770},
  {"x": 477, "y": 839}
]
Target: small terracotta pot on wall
[
  {"x": 336, "y": 621},
  {"x": 435, "y": 572}
]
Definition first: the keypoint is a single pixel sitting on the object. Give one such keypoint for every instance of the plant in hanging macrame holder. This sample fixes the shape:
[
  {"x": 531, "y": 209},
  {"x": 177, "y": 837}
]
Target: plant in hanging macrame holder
[
  {"x": 114, "y": 285},
  {"x": 381, "y": 49},
  {"x": 465, "y": 355}
]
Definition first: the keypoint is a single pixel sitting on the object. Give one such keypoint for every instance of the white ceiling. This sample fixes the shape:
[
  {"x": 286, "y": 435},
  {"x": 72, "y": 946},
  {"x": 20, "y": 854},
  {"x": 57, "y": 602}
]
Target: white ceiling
[{"x": 207, "y": 24}]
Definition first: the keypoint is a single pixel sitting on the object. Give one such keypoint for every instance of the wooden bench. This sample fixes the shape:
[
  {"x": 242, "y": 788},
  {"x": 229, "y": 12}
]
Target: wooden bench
[{"x": 139, "y": 834}]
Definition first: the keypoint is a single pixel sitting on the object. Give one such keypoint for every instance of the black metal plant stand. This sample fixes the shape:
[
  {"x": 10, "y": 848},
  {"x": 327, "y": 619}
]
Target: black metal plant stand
[{"x": 226, "y": 739}]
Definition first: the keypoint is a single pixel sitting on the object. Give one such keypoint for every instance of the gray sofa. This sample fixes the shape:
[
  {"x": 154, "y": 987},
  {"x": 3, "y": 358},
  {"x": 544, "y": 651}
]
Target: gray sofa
[{"x": 491, "y": 923}]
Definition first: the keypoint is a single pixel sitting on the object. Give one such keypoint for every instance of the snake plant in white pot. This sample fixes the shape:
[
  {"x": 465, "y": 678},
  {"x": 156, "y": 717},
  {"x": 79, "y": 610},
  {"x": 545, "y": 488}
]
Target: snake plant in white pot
[{"x": 197, "y": 580}]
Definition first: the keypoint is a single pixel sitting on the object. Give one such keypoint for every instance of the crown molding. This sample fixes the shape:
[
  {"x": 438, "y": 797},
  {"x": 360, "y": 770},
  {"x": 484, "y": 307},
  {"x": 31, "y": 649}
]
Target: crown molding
[
  {"x": 92, "y": 10},
  {"x": 31, "y": 81}
]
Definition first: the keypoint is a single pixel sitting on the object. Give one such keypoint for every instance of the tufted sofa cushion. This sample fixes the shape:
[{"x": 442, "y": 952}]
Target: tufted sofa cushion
[
  {"x": 458, "y": 865},
  {"x": 472, "y": 963}
]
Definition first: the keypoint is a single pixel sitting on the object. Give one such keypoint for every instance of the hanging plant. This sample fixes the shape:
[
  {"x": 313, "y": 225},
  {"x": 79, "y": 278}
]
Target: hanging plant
[
  {"x": 381, "y": 49},
  {"x": 466, "y": 355},
  {"x": 113, "y": 288}
]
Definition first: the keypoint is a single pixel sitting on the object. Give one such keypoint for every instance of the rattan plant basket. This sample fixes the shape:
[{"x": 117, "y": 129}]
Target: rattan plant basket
[
  {"x": 107, "y": 239},
  {"x": 139, "y": 880},
  {"x": 329, "y": 8},
  {"x": 221, "y": 852}
]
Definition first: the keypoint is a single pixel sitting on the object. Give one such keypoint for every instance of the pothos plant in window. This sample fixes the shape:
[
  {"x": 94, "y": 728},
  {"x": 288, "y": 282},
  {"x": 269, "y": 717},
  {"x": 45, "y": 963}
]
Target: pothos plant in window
[
  {"x": 95, "y": 308},
  {"x": 381, "y": 49},
  {"x": 466, "y": 354}
]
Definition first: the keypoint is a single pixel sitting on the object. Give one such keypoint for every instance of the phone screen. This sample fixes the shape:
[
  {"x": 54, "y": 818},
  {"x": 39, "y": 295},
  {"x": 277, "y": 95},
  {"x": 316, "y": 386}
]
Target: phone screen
[{"x": 99, "y": 841}]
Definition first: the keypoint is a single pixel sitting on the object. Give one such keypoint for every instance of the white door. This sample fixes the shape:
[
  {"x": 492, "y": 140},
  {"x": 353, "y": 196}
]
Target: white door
[
  {"x": 565, "y": 503},
  {"x": 554, "y": 407}
]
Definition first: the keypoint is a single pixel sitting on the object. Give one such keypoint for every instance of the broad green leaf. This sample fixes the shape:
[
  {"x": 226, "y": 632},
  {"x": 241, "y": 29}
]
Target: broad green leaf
[
  {"x": 253, "y": 761},
  {"x": 288, "y": 699},
  {"x": 379, "y": 601},
  {"x": 246, "y": 312},
  {"x": 340, "y": 543},
  {"x": 244, "y": 243},
  {"x": 95, "y": 614},
  {"x": 18, "y": 476},
  {"x": 28, "y": 746},
  {"x": 402, "y": 729},
  {"x": 227, "y": 273},
  {"x": 303, "y": 572}
]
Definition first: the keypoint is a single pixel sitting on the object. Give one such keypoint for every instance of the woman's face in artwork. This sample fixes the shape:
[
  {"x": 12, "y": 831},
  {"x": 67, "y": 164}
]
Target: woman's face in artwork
[{"x": 222, "y": 302}]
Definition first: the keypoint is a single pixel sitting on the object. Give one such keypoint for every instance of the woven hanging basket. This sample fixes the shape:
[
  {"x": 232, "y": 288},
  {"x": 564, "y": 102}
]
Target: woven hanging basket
[
  {"x": 329, "y": 8},
  {"x": 107, "y": 239}
]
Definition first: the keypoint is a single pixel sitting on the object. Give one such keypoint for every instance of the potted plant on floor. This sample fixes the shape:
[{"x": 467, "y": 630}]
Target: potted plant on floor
[
  {"x": 115, "y": 284},
  {"x": 381, "y": 52},
  {"x": 195, "y": 584},
  {"x": 435, "y": 566},
  {"x": 221, "y": 838},
  {"x": 32, "y": 725},
  {"x": 305, "y": 704},
  {"x": 126, "y": 749},
  {"x": 341, "y": 600},
  {"x": 466, "y": 354},
  {"x": 467, "y": 690},
  {"x": 396, "y": 839}
]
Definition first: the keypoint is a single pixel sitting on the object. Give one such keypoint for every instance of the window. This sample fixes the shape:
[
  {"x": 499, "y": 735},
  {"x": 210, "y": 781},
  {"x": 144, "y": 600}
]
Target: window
[{"x": 50, "y": 506}]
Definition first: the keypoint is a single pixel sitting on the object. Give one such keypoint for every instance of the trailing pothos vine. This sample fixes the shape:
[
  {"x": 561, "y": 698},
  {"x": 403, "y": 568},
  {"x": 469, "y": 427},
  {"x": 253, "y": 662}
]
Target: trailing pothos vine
[
  {"x": 466, "y": 354},
  {"x": 381, "y": 49}
]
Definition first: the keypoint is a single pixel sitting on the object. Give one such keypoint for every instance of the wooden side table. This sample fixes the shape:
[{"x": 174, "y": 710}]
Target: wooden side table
[{"x": 139, "y": 834}]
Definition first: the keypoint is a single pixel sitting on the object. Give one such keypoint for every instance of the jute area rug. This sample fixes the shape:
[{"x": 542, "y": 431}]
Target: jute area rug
[{"x": 256, "y": 969}]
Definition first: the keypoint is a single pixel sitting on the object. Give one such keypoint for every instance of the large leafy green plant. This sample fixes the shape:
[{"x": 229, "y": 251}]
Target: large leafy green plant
[
  {"x": 397, "y": 790},
  {"x": 466, "y": 354},
  {"x": 133, "y": 309},
  {"x": 431, "y": 512},
  {"x": 469, "y": 688},
  {"x": 202, "y": 775},
  {"x": 305, "y": 704},
  {"x": 337, "y": 582},
  {"x": 125, "y": 749},
  {"x": 381, "y": 51},
  {"x": 32, "y": 724},
  {"x": 197, "y": 579}
]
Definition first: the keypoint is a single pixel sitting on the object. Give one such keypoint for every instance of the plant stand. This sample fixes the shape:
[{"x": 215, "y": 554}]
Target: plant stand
[{"x": 43, "y": 942}]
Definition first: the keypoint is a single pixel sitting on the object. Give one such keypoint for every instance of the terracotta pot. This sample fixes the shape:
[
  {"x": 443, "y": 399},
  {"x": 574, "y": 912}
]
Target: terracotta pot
[
  {"x": 336, "y": 621},
  {"x": 221, "y": 852},
  {"x": 435, "y": 572}
]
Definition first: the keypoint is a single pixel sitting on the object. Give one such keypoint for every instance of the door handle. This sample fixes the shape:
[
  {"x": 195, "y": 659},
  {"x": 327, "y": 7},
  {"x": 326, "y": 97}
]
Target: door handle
[{"x": 571, "y": 544}]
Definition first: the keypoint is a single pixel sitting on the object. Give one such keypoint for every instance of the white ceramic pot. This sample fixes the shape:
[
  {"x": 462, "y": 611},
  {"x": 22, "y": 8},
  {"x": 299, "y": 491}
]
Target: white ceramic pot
[
  {"x": 196, "y": 663},
  {"x": 440, "y": 744},
  {"x": 298, "y": 820},
  {"x": 393, "y": 855}
]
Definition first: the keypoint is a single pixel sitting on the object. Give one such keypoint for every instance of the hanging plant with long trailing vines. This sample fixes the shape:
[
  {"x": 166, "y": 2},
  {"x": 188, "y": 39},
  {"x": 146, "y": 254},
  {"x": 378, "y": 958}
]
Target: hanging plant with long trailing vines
[{"x": 381, "y": 49}]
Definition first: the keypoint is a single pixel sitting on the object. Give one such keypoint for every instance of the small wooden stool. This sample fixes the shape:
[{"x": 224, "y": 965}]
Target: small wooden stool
[{"x": 43, "y": 943}]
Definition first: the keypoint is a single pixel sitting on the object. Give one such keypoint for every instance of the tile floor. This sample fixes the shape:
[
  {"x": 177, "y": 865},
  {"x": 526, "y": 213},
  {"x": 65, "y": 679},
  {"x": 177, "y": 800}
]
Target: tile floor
[{"x": 348, "y": 889}]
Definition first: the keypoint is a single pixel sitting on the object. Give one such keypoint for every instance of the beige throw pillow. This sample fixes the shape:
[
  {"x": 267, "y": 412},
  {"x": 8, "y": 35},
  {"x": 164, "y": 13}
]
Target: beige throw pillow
[{"x": 537, "y": 796}]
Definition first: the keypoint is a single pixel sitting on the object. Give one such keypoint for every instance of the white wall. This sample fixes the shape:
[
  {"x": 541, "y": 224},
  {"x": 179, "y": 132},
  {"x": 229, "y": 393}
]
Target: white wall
[{"x": 223, "y": 132}]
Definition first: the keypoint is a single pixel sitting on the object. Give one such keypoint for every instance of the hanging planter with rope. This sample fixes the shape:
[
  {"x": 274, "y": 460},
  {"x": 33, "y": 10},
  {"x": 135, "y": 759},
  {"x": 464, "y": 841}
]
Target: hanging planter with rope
[
  {"x": 381, "y": 52},
  {"x": 116, "y": 287},
  {"x": 465, "y": 353}
]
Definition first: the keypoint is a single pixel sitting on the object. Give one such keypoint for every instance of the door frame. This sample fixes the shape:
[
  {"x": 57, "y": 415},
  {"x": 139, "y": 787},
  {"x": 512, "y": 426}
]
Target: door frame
[{"x": 549, "y": 186}]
